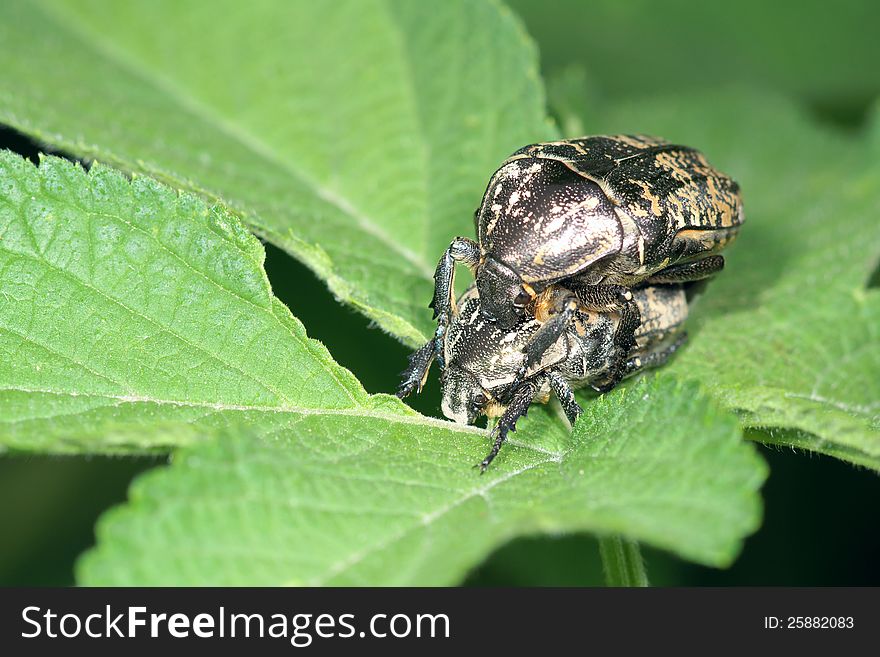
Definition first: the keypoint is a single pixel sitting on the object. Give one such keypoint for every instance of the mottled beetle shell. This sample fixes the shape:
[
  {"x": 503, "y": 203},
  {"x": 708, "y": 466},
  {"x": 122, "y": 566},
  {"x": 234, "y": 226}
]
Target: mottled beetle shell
[
  {"x": 607, "y": 209},
  {"x": 479, "y": 354}
]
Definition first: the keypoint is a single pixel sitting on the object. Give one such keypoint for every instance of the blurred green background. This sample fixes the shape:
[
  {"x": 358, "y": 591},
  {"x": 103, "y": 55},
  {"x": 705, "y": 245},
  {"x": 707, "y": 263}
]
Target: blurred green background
[{"x": 820, "y": 524}]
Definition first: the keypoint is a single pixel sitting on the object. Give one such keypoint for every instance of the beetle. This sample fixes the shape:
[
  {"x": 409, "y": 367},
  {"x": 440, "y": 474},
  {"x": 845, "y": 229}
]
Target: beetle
[
  {"x": 600, "y": 214},
  {"x": 482, "y": 361}
]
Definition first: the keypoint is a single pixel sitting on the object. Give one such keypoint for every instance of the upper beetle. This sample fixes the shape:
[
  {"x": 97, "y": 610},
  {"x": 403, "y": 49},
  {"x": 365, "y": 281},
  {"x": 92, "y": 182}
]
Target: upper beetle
[{"x": 601, "y": 214}]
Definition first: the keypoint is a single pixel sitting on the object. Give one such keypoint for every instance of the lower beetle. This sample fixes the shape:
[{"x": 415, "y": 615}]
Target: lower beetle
[{"x": 485, "y": 370}]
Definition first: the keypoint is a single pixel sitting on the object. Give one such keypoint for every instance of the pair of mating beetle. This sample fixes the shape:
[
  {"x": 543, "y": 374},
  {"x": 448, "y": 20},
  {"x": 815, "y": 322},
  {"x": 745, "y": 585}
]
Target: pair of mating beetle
[{"x": 585, "y": 248}]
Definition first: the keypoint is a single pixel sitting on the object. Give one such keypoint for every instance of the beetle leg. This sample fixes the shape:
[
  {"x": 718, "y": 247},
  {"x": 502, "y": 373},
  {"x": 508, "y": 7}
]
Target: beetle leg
[
  {"x": 654, "y": 358},
  {"x": 546, "y": 336},
  {"x": 687, "y": 272},
  {"x": 414, "y": 376},
  {"x": 565, "y": 394},
  {"x": 517, "y": 408},
  {"x": 461, "y": 250},
  {"x": 614, "y": 298}
]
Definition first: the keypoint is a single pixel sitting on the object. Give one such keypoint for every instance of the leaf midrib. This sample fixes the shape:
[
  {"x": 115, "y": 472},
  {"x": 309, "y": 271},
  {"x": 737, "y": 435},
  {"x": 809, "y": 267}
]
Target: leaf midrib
[
  {"x": 355, "y": 411},
  {"x": 411, "y": 418}
]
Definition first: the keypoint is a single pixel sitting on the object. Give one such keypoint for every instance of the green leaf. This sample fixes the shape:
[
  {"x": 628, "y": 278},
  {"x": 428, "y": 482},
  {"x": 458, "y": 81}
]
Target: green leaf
[
  {"x": 640, "y": 48},
  {"x": 356, "y": 135},
  {"x": 134, "y": 317},
  {"x": 343, "y": 169},
  {"x": 336, "y": 500},
  {"x": 128, "y": 312},
  {"x": 788, "y": 334}
]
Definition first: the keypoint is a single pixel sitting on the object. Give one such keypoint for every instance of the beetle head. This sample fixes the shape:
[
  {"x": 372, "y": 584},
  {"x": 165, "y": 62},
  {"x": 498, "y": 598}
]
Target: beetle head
[
  {"x": 464, "y": 399},
  {"x": 482, "y": 360},
  {"x": 502, "y": 297}
]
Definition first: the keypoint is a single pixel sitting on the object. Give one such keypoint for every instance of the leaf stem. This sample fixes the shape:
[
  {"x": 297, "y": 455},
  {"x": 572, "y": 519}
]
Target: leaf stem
[{"x": 622, "y": 562}]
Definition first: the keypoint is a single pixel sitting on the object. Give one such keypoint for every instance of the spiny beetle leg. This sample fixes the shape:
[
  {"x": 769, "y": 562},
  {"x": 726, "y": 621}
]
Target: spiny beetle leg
[
  {"x": 616, "y": 298},
  {"x": 518, "y": 407},
  {"x": 654, "y": 358},
  {"x": 565, "y": 394},
  {"x": 546, "y": 336},
  {"x": 687, "y": 272},
  {"x": 625, "y": 334},
  {"x": 413, "y": 377},
  {"x": 461, "y": 250}
]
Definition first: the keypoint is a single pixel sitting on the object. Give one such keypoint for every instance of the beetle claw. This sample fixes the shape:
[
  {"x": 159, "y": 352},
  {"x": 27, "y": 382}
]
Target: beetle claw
[
  {"x": 608, "y": 384},
  {"x": 405, "y": 389}
]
